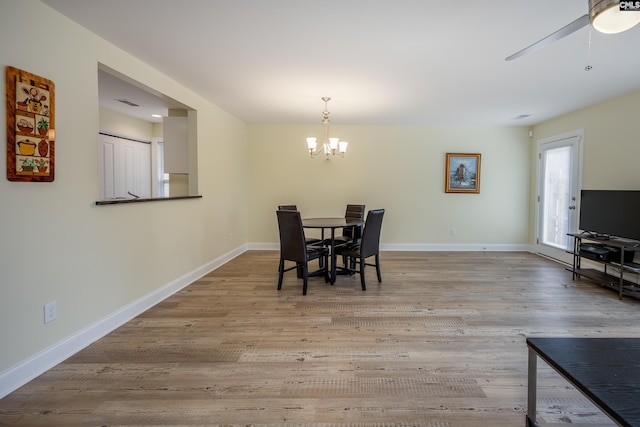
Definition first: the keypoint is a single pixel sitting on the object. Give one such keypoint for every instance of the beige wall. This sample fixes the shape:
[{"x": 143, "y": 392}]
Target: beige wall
[
  {"x": 401, "y": 169},
  {"x": 611, "y": 146},
  {"x": 112, "y": 121},
  {"x": 94, "y": 261},
  {"x": 611, "y": 141}
]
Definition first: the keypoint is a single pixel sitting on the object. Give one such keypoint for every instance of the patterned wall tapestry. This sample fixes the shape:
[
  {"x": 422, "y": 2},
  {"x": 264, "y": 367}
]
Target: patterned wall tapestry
[{"x": 30, "y": 127}]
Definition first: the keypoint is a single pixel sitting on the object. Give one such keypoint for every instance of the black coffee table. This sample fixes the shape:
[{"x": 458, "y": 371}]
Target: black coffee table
[{"x": 605, "y": 370}]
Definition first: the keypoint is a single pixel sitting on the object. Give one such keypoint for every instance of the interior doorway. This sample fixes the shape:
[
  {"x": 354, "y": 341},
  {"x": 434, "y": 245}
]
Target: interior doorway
[{"x": 559, "y": 176}]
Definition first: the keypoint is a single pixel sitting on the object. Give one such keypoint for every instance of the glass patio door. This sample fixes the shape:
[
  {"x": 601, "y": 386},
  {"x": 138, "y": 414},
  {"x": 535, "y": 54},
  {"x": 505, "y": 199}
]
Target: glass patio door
[{"x": 559, "y": 160}]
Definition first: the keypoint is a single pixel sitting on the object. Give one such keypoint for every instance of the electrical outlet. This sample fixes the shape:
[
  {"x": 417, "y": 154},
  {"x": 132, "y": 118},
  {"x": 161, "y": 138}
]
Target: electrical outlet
[
  {"x": 50, "y": 312},
  {"x": 230, "y": 236},
  {"x": 453, "y": 232}
]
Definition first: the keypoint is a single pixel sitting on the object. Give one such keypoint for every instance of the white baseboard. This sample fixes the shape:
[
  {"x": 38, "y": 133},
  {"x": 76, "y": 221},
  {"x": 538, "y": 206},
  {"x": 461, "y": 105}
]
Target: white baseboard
[
  {"x": 423, "y": 247},
  {"x": 25, "y": 371},
  {"x": 458, "y": 247}
]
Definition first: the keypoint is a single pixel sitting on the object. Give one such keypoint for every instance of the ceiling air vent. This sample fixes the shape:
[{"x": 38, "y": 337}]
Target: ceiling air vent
[
  {"x": 129, "y": 103},
  {"x": 521, "y": 116}
]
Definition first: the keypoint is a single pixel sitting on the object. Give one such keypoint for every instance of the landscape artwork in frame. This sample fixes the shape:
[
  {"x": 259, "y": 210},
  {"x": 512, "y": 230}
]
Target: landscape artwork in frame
[
  {"x": 463, "y": 173},
  {"x": 30, "y": 101}
]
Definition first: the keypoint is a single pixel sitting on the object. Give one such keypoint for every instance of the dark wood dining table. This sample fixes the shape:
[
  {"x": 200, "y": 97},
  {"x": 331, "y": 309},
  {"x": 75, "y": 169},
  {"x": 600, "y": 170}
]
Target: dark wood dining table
[{"x": 331, "y": 224}]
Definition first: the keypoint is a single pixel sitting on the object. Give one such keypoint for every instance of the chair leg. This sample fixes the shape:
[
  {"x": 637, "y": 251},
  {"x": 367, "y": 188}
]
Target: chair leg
[
  {"x": 280, "y": 273},
  {"x": 378, "y": 268},
  {"x": 326, "y": 268},
  {"x": 305, "y": 277},
  {"x": 349, "y": 264},
  {"x": 362, "y": 264}
]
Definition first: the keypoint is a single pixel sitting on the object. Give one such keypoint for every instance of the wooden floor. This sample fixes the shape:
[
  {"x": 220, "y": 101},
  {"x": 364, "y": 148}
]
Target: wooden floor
[{"x": 439, "y": 343}]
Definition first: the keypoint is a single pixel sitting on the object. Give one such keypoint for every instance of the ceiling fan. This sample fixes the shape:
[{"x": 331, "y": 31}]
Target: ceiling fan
[{"x": 606, "y": 16}]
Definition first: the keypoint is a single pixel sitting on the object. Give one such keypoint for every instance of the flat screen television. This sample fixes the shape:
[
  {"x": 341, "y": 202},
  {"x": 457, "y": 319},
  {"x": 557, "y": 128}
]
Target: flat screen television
[{"x": 610, "y": 213}]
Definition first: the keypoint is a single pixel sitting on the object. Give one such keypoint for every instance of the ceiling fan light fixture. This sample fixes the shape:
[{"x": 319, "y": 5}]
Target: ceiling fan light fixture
[{"x": 606, "y": 16}]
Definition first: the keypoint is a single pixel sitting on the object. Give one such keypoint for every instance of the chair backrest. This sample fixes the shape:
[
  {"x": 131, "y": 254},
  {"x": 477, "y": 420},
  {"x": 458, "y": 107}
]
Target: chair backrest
[
  {"x": 287, "y": 208},
  {"x": 353, "y": 212},
  {"x": 292, "y": 240},
  {"x": 370, "y": 243}
]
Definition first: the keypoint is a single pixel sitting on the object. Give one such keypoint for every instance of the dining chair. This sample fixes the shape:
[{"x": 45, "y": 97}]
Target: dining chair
[
  {"x": 309, "y": 240},
  {"x": 351, "y": 234},
  {"x": 369, "y": 246},
  {"x": 293, "y": 248},
  {"x": 287, "y": 208}
]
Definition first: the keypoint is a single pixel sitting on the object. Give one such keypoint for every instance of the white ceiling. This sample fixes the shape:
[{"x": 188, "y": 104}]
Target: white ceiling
[
  {"x": 113, "y": 89},
  {"x": 405, "y": 62}
]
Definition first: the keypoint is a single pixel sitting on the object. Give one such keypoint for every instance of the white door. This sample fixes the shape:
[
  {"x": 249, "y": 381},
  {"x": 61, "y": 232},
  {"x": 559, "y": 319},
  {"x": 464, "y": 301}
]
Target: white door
[
  {"x": 125, "y": 168},
  {"x": 559, "y": 176}
]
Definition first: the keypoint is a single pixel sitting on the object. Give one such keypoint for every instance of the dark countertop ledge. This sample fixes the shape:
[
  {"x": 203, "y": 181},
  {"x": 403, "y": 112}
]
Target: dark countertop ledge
[{"x": 155, "y": 199}]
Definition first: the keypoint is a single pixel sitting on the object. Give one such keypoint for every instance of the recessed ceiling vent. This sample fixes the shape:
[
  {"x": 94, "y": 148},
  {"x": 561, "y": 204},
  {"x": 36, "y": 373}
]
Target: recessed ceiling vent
[
  {"x": 126, "y": 101},
  {"x": 521, "y": 116}
]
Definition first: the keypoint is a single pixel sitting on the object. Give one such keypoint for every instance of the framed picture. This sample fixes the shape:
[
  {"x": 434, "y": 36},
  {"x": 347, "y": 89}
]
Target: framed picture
[
  {"x": 30, "y": 127},
  {"x": 463, "y": 173}
]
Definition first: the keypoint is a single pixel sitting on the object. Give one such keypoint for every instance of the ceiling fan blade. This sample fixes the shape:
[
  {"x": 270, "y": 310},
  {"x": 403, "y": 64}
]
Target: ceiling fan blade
[{"x": 583, "y": 21}]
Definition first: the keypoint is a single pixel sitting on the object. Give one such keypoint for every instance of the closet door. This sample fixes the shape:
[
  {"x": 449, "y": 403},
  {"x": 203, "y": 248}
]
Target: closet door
[
  {"x": 125, "y": 168},
  {"x": 107, "y": 154}
]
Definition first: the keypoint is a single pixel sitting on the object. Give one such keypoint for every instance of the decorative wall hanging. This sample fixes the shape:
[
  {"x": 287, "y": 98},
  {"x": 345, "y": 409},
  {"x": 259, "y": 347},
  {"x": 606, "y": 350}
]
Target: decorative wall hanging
[
  {"x": 463, "y": 173},
  {"x": 30, "y": 127}
]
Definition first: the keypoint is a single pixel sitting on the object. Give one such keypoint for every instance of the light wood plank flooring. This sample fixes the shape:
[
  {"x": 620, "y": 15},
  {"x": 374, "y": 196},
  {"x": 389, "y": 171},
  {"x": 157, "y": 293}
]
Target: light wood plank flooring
[{"x": 439, "y": 343}]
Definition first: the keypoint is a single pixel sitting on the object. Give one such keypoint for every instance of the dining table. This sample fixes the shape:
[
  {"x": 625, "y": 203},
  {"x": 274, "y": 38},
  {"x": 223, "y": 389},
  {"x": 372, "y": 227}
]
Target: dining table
[{"x": 331, "y": 224}]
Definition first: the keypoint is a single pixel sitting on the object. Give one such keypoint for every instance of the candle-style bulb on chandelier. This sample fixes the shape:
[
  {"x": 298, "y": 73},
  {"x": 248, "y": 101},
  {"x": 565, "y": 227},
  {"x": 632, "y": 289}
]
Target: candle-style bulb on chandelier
[{"x": 328, "y": 146}]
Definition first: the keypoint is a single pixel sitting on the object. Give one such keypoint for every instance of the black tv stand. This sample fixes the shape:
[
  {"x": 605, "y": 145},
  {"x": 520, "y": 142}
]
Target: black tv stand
[
  {"x": 622, "y": 260},
  {"x": 596, "y": 236}
]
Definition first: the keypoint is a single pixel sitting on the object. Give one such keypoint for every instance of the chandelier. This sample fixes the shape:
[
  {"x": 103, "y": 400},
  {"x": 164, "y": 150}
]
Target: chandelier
[{"x": 328, "y": 146}]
